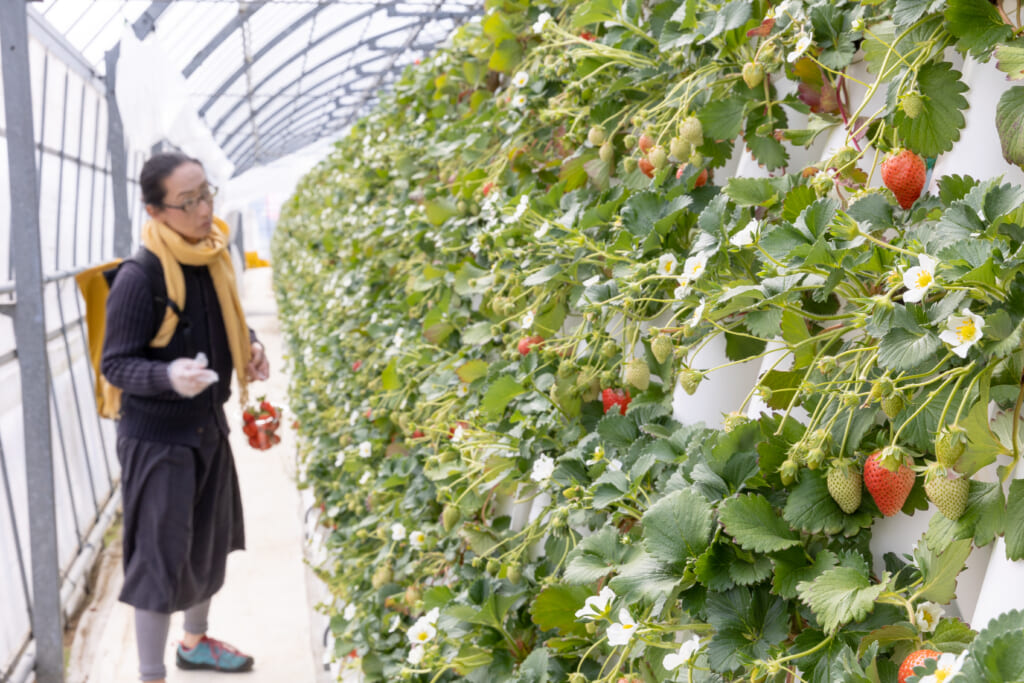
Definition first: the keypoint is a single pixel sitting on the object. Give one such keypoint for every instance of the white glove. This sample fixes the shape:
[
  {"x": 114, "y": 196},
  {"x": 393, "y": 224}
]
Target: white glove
[{"x": 189, "y": 376}]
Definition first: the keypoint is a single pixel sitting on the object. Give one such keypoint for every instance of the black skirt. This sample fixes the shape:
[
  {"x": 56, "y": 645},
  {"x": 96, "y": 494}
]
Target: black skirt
[{"x": 182, "y": 516}]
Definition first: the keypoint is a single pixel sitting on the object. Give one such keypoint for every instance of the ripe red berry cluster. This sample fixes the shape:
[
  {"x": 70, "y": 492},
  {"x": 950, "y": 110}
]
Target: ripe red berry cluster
[{"x": 260, "y": 424}]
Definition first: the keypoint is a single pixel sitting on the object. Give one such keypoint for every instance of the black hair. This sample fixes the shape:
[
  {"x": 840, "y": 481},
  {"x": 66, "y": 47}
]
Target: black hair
[{"x": 156, "y": 170}]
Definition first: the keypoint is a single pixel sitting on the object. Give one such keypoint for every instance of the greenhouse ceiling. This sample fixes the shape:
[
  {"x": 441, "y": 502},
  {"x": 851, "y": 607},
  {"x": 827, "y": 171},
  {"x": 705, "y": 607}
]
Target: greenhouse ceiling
[{"x": 269, "y": 77}]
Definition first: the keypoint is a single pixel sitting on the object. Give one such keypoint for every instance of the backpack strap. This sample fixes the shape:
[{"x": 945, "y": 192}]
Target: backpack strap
[{"x": 150, "y": 264}]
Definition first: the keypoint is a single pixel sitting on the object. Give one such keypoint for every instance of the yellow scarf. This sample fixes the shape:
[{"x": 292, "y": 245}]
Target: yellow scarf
[{"x": 173, "y": 250}]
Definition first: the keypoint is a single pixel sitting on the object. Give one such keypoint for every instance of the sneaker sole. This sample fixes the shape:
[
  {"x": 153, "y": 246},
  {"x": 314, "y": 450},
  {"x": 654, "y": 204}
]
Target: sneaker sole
[{"x": 183, "y": 663}]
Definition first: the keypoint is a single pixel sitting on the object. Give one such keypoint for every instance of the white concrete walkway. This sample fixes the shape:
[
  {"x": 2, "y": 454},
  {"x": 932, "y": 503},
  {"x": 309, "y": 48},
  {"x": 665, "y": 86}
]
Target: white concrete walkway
[{"x": 263, "y": 608}]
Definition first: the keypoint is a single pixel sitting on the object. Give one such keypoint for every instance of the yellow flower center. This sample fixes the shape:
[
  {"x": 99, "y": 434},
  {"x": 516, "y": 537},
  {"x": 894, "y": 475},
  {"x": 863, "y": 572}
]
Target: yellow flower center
[
  {"x": 941, "y": 675},
  {"x": 422, "y": 636},
  {"x": 966, "y": 330},
  {"x": 924, "y": 279},
  {"x": 696, "y": 269},
  {"x": 668, "y": 267},
  {"x": 626, "y": 627}
]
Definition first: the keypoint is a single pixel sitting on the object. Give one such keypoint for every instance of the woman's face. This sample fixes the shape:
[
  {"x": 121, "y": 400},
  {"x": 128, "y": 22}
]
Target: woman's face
[{"x": 188, "y": 205}]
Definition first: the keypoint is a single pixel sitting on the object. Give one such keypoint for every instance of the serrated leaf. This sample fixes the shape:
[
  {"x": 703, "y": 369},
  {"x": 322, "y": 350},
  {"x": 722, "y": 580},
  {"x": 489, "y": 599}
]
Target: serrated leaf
[
  {"x": 811, "y": 508},
  {"x": 754, "y": 524},
  {"x": 745, "y": 573},
  {"x": 939, "y": 570},
  {"x": 977, "y": 25},
  {"x": 618, "y": 430},
  {"x": 555, "y": 608},
  {"x": 751, "y": 191},
  {"x": 839, "y": 596},
  {"x": 389, "y": 378},
  {"x": 678, "y": 527},
  {"x": 792, "y": 567},
  {"x": 938, "y": 125},
  {"x": 471, "y": 370},
  {"x": 889, "y": 635},
  {"x": 722, "y": 119},
  {"x": 596, "y": 556},
  {"x": 983, "y": 519},
  {"x": 1010, "y": 124},
  {"x": 499, "y": 393},
  {"x": 765, "y": 324},
  {"x": 1015, "y": 521},
  {"x": 596, "y": 11},
  {"x": 907, "y": 12},
  {"x": 903, "y": 350},
  {"x": 712, "y": 567},
  {"x": 1010, "y": 59},
  {"x": 542, "y": 275},
  {"x": 951, "y": 635},
  {"x": 748, "y": 624},
  {"x": 646, "y": 578}
]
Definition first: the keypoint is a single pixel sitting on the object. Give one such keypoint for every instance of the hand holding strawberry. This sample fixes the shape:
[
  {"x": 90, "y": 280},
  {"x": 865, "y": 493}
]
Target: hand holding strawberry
[{"x": 260, "y": 423}]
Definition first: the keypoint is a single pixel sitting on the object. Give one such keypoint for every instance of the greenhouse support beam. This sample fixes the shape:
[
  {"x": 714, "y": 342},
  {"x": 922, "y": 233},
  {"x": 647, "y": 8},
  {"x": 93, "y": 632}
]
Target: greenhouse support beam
[
  {"x": 118, "y": 161},
  {"x": 30, "y": 336}
]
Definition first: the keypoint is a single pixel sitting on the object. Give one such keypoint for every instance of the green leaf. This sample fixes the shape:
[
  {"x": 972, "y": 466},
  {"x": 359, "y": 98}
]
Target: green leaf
[
  {"x": 596, "y": 11},
  {"x": 751, "y": 191},
  {"x": 748, "y": 624},
  {"x": 389, "y": 378},
  {"x": 686, "y": 14},
  {"x": 646, "y": 578},
  {"x": 471, "y": 370},
  {"x": 939, "y": 570},
  {"x": 1010, "y": 59},
  {"x": 1010, "y": 124},
  {"x": 501, "y": 391},
  {"x": 983, "y": 519},
  {"x": 542, "y": 275},
  {"x": 977, "y": 25},
  {"x": 555, "y": 608},
  {"x": 890, "y": 635},
  {"x": 982, "y": 446},
  {"x": 938, "y": 125},
  {"x": 811, "y": 508},
  {"x": 765, "y": 324},
  {"x": 596, "y": 556},
  {"x": 903, "y": 350},
  {"x": 1015, "y": 521},
  {"x": 678, "y": 527},
  {"x": 722, "y": 119},
  {"x": 952, "y": 635},
  {"x": 746, "y": 573},
  {"x": 440, "y": 210},
  {"x": 792, "y": 567},
  {"x": 534, "y": 668},
  {"x": 909, "y": 11},
  {"x": 755, "y": 525},
  {"x": 840, "y": 595},
  {"x": 618, "y": 430}
]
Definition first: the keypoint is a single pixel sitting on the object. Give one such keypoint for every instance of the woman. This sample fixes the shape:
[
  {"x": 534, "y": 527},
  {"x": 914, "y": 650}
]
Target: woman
[{"x": 182, "y": 508}]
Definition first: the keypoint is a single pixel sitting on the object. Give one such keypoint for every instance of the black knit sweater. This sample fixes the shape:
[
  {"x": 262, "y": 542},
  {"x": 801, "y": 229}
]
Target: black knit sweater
[{"x": 151, "y": 409}]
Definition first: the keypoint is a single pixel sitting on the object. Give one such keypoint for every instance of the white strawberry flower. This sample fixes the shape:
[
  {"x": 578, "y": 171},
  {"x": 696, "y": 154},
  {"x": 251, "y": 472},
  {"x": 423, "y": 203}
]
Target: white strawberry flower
[
  {"x": 596, "y": 606},
  {"x": 339, "y": 459},
  {"x": 543, "y": 467},
  {"x": 667, "y": 264},
  {"x": 417, "y": 539},
  {"x": 541, "y": 231},
  {"x": 458, "y": 434},
  {"x": 422, "y": 632},
  {"x": 591, "y": 281},
  {"x": 398, "y": 531},
  {"x": 527, "y": 322},
  {"x": 962, "y": 332},
  {"x": 462, "y": 389},
  {"x": 802, "y": 43},
  {"x": 615, "y": 465},
  {"x": 416, "y": 654},
  {"x": 395, "y": 623},
  {"x": 542, "y": 22},
  {"x": 432, "y": 616},
  {"x": 949, "y": 666},
  {"x": 745, "y": 236},
  {"x": 365, "y": 449},
  {"x": 681, "y": 290},
  {"x": 919, "y": 279},
  {"x": 620, "y": 632},
  {"x": 686, "y": 651},
  {"x": 694, "y": 267},
  {"x": 520, "y": 79},
  {"x": 350, "y": 612},
  {"x": 519, "y": 101},
  {"x": 698, "y": 313},
  {"x": 927, "y": 616},
  {"x": 365, "y": 478}
]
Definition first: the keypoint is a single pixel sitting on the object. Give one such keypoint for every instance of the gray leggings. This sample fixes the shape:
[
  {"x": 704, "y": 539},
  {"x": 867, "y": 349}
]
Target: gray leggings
[{"x": 151, "y": 635}]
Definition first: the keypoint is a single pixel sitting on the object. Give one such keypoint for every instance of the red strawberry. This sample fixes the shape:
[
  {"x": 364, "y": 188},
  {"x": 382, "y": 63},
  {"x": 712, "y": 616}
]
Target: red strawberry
[
  {"x": 587, "y": 35},
  {"x": 460, "y": 423},
  {"x": 268, "y": 407},
  {"x": 355, "y": 366},
  {"x": 249, "y": 429},
  {"x": 915, "y": 658},
  {"x": 904, "y": 173},
  {"x": 646, "y": 142},
  {"x": 248, "y": 417},
  {"x": 527, "y": 343},
  {"x": 488, "y": 186},
  {"x": 646, "y": 167},
  {"x": 702, "y": 178},
  {"x": 616, "y": 397},
  {"x": 888, "y": 479},
  {"x": 418, "y": 434}
]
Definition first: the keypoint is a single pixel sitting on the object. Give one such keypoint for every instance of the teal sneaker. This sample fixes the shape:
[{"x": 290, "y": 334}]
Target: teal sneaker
[{"x": 212, "y": 654}]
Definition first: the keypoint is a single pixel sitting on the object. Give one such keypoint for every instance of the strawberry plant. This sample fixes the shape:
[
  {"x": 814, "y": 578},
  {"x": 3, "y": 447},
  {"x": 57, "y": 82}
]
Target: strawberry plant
[{"x": 505, "y": 509}]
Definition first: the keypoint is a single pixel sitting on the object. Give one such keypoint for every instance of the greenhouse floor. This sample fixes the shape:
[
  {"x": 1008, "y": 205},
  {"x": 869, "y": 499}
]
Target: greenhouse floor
[{"x": 263, "y": 608}]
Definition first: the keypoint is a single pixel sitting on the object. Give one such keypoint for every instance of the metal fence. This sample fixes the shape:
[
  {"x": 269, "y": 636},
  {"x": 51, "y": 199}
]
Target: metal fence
[{"x": 64, "y": 202}]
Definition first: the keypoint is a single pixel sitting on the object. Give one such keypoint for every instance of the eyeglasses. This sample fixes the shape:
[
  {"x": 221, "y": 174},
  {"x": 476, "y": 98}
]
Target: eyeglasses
[{"x": 190, "y": 205}]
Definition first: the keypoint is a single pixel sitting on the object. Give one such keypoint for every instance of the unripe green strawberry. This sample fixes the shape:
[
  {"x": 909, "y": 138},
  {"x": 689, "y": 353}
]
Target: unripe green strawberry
[
  {"x": 844, "y": 485},
  {"x": 692, "y": 131},
  {"x": 596, "y": 135},
  {"x": 690, "y": 379},
  {"x": 607, "y": 153},
  {"x": 892, "y": 405},
  {"x": 678, "y": 149},
  {"x": 815, "y": 458},
  {"x": 827, "y": 365},
  {"x": 788, "y": 471},
  {"x": 888, "y": 479},
  {"x": 880, "y": 389},
  {"x": 658, "y": 158},
  {"x": 851, "y": 400},
  {"x": 577, "y": 677},
  {"x": 638, "y": 374},
  {"x": 382, "y": 576},
  {"x": 912, "y": 104},
  {"x": 477, "y": 562},
  {"x": 948, "y": 493},
  {"x": 629, "y": 141},
  {"x": 450, "y": 517},
  {"x": 753, "y": 74},
  {"x": 733, "y": 421},
  {"x": 514, "y": 573},
  {"x": 609, "y": 349},
  {"x": 629, "y": 164},
  {"x": 493, "y": 567},
  {"x": 412, "y": 595},
  {"x": 949, "y": 445},
  {"x": 661, "y": 347}
]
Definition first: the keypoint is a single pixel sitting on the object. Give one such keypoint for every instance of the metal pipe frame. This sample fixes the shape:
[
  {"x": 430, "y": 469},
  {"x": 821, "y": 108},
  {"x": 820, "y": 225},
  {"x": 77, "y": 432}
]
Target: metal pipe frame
[
  {"x": 30, "y": 333},
  {"x": 118, "y": 161}
]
